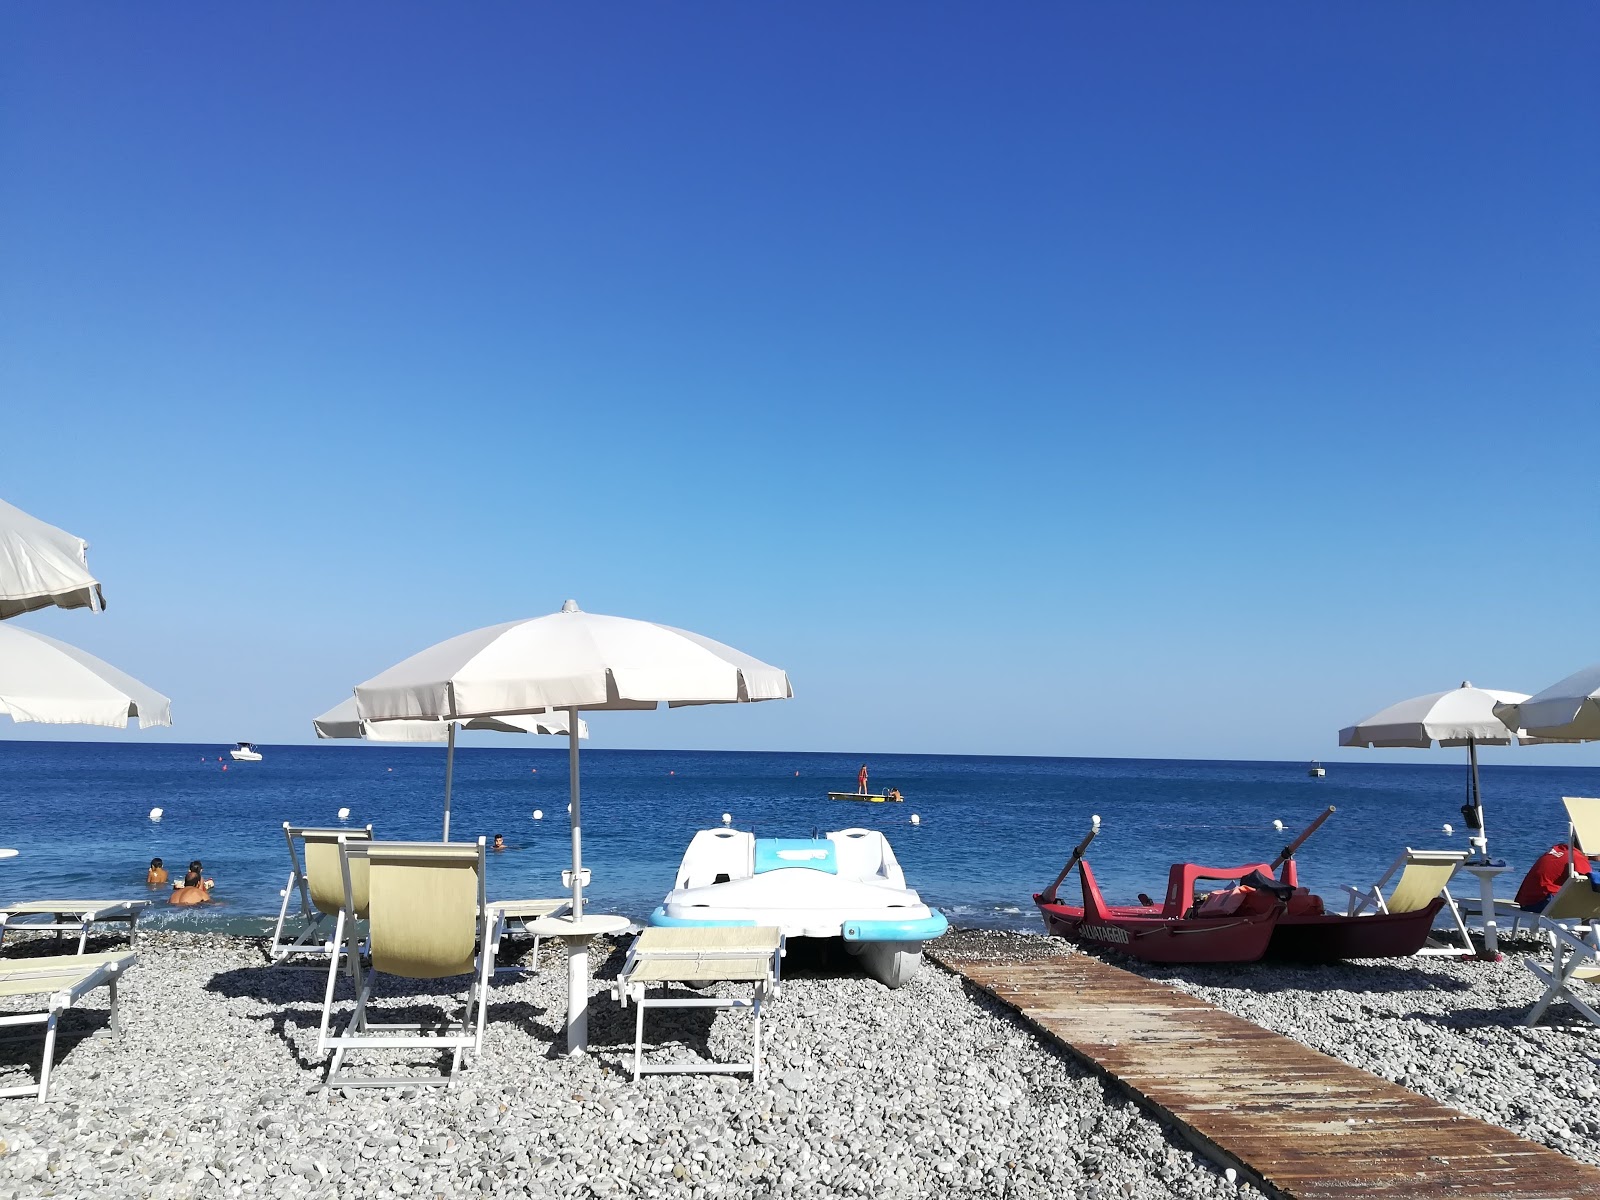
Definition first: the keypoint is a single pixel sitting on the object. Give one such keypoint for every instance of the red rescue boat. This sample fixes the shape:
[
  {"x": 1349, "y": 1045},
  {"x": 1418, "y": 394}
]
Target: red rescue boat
[{"x": 1172, "y": 932}]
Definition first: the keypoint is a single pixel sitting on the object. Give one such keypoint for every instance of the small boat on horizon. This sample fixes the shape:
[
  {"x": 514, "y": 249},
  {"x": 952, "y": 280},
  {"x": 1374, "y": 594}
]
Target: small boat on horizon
[
  {"x": 1317, "y": 770},
  {"x": 245, "y": 752},
  {"x": 846, "y": 884}
]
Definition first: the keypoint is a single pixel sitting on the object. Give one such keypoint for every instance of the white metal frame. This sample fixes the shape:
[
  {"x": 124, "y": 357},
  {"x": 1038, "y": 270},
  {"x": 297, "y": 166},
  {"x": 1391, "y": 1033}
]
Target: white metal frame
[
  {"x": 312, "y": 919},
  {"x": 627, "y": 988},
  {"x": 521, "y": 924},
  {"x": 70, "y": 917},
  {"x": 99, "y": 974},
  {"x": 464, "y": 1039},
  {"x": 1372, "y": 896},
  {"x": 1574, "y": 958}
]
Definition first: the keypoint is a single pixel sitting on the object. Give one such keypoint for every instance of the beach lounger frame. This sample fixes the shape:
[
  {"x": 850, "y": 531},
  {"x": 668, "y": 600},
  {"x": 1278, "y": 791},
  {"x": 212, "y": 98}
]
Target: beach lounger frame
[
  {"x": 62, "y": 980},
  {"x": 1583, "y": 829},
  {"x": 1575, "y": 953},
  {"x": 417, "y": 929},
  {"x": 696, "y": 956},
  {"x": 517, "y": 916},
  {"x": 74, "y": 916},
  {"x": 1407, "y": 896},
  {"x": 320, "y": 903}
]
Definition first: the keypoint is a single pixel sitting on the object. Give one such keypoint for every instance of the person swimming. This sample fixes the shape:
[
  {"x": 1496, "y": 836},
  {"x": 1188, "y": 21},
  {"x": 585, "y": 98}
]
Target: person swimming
[
  {"x": 195, "y": 889},
  {"x": 499, "y": 842},
  {"x": 157, "y": 874}
]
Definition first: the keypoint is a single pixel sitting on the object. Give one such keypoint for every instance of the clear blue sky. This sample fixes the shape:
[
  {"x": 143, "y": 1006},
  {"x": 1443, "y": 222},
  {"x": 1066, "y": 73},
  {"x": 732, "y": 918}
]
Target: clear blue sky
[{"x": 1147, "y": 379}]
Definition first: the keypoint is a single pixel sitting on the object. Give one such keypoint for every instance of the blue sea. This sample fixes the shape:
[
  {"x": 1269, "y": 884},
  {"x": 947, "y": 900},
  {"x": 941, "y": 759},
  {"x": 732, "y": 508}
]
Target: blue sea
[{"x": 991, "y": 831}]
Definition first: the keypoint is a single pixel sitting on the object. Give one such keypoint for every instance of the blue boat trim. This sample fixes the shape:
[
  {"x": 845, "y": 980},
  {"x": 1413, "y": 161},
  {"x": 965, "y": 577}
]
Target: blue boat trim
[
  {"x": 661, "y": 920},
  {"x": 782, "y": 854},
  {"x": 922, "y": 929}
]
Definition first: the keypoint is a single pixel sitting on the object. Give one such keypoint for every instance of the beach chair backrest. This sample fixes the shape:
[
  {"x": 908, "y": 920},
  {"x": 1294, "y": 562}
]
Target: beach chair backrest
[
  {"x": 717, "y": 854},
  {"x": 1576, "y": 901},
  {"x": 324, "y": 875},
  {"x": 1583, "y": 814},
  {"x": 1425, "y": 876},
  {"x": 428, "y": 906}
]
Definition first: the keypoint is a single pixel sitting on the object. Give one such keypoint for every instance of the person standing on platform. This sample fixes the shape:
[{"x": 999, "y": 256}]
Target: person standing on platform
[{"x": 861, "y": 780}]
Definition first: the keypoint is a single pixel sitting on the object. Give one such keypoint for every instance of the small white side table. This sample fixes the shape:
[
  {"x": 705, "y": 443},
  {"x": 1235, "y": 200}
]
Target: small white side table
[
  {"x": 1487, "y": 873},
  {"x": 576, "y": 935}
]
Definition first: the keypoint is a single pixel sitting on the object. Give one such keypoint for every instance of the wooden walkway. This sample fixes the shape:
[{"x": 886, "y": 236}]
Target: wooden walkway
[{"x": 1266, "y": 1104}]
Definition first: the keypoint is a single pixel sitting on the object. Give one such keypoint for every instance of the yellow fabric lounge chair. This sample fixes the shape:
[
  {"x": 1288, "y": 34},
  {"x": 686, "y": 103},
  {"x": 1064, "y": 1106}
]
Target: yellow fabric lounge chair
[
  {"x": 1424, "y": 874},
  {"x": 316, "y": 877},
  {"x": 517, "y": 917},
  {"x": 73, "y": 916},
  {"x": 61, "y": 981},
  {"x": 697, "y": 956},
  {"x": 428, "y": 918}
]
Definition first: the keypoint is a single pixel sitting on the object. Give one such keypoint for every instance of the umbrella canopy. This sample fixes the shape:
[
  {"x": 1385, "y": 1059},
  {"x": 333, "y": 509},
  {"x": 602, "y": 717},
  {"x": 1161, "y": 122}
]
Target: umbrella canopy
[
  {"x": 1458, "y": 717},
  {"x": 1565, "y": 711},
  {"x": 342, "y": 721},
  {"x": 1463, "y": 716},
  {"x": 41, "y": 566},
  {"x": 48, "y": 681}
]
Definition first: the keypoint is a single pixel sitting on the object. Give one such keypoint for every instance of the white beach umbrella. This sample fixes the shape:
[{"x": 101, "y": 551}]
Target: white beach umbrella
[
  {"x": 51, "y": 682},
  {"x": 41, "y": 566},
  {"x": 343, "y": 721},
  {"x": 1463, "y": 716},
  {"x": 1565, "y": 711},
  {"x": 572, "y": 660}
]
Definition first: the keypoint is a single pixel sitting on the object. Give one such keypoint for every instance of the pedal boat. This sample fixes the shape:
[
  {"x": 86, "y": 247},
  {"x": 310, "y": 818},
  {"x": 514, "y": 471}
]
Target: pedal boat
[
  {"x": 846, "y": 885},
  {"x": 1164, "y": 933}
]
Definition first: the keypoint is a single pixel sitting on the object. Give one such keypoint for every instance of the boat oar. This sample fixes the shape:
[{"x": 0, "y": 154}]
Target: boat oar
[
  {"x": 1094, "y": 827},
  {"x": 1287, "y": 852}
]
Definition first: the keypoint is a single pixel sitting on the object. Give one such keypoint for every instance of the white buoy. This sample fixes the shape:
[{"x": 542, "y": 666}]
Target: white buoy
[
  {"x": 727, "y": 818},
  {"x": 1278, "y": 825},
  {"x": 1095, "y": 820},
  {"x": 1449, "y": 829},
  {"x": 915, "y": 819},
  {"x": 569, "y": 810},
  {"x": 155, "y": 814},
  {"x": 344, "y": 814},
  {"x": 538, "y": 814}
]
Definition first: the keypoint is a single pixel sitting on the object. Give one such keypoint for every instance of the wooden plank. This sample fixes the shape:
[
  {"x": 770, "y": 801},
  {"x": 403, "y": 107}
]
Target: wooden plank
[{"x": 1304, "y": 1125}]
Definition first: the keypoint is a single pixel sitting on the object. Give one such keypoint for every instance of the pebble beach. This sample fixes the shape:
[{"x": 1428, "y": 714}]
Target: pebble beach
[
  {"x": 931, "y": 1090},
  {"x": 924, "y": 1091}
]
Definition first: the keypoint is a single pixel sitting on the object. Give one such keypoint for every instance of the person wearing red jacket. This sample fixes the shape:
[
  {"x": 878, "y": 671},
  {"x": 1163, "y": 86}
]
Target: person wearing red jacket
[{"x": 1552, "y": 869}]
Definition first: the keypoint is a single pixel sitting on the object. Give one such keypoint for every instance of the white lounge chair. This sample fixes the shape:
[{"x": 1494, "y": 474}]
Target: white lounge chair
[
  {"x": 318, "y": 880},
  {"x": 73, "y": 916},
  {"x": 517, "y": 918},
  {"x": 1570, "y": 926},
  {"x": 695, "y": 957},
  {"x": 60, "y": 980},
  {"x": 1424, "y": 874},
  {"x": 427, "y": 918}
]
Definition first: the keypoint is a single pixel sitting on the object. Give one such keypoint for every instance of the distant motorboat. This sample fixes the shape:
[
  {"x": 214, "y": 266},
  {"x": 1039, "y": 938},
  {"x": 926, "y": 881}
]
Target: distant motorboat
[
  {"x": 246, "y": 752},
  {"x": 1317, "y": 770}
]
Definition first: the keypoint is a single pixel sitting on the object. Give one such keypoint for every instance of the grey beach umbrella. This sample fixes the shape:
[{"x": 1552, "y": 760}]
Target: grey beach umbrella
[{"x": 1568, "y": 710}]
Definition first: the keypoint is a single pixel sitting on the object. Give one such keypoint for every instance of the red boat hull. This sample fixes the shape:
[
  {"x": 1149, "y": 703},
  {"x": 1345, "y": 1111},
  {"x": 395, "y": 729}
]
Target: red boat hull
[
  {"x": 1373, "y": 935},
  {"x": 1146, "y": 934}
]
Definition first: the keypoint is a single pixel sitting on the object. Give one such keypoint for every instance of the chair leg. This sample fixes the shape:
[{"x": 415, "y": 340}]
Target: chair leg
[
  {"x": 49, "y": 1054},
  {"x": 638, "y": 1036},
  {"x": 755, "y": 1047},
  {"x": 327, "y": 996},
  {"x": 116, "y": 1019}
]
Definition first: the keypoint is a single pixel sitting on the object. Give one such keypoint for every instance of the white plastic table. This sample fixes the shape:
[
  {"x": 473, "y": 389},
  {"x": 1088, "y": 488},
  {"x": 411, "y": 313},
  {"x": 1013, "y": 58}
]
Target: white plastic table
[
  {"x": 1487, "y": 873},
  {"x": 576, "y": 935}
]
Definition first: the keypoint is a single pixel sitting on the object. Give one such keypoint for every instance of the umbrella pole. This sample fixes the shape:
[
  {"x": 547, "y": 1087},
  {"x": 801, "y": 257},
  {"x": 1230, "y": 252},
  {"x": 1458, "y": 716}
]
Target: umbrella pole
[
  {"x": 449, "y": 770},
  {"x": 577, "y": 823},
  {"x": 1477, "y": 798}
]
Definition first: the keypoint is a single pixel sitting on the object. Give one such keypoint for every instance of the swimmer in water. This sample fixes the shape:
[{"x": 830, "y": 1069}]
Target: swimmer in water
[
  {"x": 194, "y": 889},
  {"x": 157, "y": 874},
  {"x": 499, "y": 842}
]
